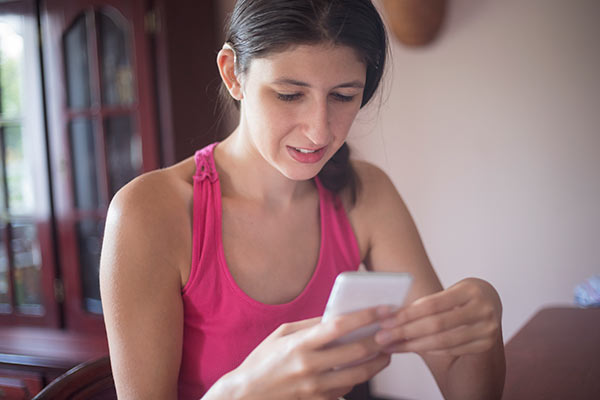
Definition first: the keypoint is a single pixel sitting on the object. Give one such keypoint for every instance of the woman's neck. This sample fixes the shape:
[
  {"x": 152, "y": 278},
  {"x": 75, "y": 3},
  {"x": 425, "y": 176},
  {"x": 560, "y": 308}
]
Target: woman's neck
[{"x": 245, "y": 174}]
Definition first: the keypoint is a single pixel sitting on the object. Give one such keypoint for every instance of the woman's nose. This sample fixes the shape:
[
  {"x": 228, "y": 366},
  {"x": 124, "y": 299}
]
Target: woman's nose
[{"x": 318, "y": 125}]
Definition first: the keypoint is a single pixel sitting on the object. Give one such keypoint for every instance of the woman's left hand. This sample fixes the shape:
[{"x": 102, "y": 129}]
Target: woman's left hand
[{"x": 463, "y": 319}]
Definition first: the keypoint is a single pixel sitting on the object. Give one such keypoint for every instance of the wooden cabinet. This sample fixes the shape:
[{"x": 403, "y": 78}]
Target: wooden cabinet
[
  {"x": 120, "y": 87},
  {"x": 102, "y": 129}
]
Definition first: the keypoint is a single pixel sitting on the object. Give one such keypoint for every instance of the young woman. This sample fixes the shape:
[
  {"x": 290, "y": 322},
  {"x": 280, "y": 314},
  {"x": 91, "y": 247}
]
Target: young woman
[{"x": 215, "y": 271}]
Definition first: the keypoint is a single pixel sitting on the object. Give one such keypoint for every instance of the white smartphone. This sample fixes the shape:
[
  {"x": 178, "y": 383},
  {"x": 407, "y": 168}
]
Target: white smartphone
[{"x": 357, "y": 290}]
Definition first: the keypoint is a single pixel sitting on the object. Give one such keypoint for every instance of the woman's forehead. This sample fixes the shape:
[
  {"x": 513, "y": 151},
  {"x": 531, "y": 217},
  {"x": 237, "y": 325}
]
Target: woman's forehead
[{"x": 307, "y": 63}]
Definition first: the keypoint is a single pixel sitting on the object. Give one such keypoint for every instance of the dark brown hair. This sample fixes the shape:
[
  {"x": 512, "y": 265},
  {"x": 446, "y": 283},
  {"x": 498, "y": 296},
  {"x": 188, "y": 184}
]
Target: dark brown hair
[{"x": 258, "y": 28}]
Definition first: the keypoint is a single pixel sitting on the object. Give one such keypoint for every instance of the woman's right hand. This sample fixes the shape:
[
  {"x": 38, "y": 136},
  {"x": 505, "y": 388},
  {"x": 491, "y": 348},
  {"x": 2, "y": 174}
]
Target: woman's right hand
[{"x": 295, "y": 361}]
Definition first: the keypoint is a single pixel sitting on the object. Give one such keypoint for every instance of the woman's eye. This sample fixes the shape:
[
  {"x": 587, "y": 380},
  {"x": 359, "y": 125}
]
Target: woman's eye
[
  {"x": 343, "y": 98},
  {"x": 288, "y": 97}
]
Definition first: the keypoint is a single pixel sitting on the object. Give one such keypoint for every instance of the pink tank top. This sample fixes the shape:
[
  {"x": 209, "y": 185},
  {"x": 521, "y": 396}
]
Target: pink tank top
[{"x": 222, "y": 324}]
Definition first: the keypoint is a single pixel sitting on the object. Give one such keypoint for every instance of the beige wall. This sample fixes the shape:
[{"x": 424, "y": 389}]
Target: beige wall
[{"x": 492, "y": 136}]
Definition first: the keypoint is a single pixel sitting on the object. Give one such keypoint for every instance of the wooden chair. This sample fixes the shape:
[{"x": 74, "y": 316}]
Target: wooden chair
[{"x": 91, "y": 380}]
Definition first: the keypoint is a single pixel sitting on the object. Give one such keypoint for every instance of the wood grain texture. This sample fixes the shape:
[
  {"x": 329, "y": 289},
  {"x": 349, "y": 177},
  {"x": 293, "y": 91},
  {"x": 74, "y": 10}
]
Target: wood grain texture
[{"x": 556, "y": 355}]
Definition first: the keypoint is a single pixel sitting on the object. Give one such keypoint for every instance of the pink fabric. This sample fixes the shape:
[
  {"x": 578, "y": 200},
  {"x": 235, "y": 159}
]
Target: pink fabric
[{"x": 222, "y": 324}]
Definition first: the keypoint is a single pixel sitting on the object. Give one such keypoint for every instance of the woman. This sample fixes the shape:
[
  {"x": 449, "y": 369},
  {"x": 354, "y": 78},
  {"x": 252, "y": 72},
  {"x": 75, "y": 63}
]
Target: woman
[{"x": 215, "y": 271}]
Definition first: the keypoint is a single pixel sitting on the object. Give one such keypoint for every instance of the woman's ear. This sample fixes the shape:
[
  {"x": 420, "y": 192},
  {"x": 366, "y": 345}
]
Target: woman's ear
[{"x": 226, "y": 62}]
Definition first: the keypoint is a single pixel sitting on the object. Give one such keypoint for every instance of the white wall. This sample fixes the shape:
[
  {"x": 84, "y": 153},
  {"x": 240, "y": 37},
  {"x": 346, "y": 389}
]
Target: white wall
[{"x": 492, "y": 136}]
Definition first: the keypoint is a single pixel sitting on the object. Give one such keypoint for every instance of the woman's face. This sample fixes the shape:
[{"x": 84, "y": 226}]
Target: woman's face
[{"x": 298, "y": 106}]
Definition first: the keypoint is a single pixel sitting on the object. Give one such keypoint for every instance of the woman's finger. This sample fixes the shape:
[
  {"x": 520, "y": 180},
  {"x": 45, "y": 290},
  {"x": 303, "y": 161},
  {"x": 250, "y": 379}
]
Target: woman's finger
[
  {"x": 453, "y": 338},
  {"x": 326, "y": 332},
  {"x": 346, "y": 354},
  {"x": 436, "y": 303},
  {"x": 462, "y": 315},
  {"x": 478, "y": 346},
  {"x": 355, "y": 374}
]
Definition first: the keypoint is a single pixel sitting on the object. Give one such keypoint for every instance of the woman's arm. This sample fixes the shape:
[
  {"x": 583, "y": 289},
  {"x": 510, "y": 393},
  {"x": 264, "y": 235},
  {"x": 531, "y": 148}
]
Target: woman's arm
[
  {"x": 457, "y": 331},
  {"x": 144, "y": 243}
]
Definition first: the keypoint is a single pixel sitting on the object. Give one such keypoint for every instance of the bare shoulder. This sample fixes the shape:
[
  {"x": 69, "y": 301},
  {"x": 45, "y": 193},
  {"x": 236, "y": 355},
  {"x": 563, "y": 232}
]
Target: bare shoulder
[
  {"x": 377, "y": 193},
  {"x": 371, "y": 176},
  {"x": 379, "y": 206},
  {"x": 155, "y": 191},
  {"x": 152, "y": 214}
]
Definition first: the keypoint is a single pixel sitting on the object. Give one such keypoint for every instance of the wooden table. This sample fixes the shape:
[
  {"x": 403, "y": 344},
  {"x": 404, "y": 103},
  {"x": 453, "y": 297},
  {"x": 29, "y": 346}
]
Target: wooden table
[
  {"x": 556, "y": 355},
  {"x": 30, "y": 358}
]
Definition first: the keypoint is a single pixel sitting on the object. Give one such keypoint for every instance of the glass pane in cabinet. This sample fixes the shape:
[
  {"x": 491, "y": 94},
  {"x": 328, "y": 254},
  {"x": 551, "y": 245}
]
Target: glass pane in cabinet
[
  {"x": 19, "y": 181},
  {"x": 83, "y": 159},
  {"x": 11, "y": 66},
  {"x": 77, "y": 69},
  {"x": 117, "y": 76},
  {"x": 5, "y": 306},
  {"x": 123, "y": 151},
  {"x": 27, "y": 268},
  {"x": 89, "y": 239}
]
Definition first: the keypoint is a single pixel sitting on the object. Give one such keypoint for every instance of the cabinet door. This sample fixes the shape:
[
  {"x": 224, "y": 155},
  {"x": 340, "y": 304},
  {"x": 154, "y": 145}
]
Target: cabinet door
[
  {"x": 102, "y": 130},
  {"x": 26, "y": 246}
]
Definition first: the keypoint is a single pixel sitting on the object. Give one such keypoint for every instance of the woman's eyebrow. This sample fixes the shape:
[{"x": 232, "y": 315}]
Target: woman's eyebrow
[
  {"x": 353, "y": 84},
  {"x": 288, "y": 81}
]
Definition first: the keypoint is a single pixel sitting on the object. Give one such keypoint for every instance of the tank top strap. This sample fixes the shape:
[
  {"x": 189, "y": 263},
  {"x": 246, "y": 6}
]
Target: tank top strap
[
  {"x": 338, "y": 233},
  {"x": 206, "y": 210},
  {"x": 205, "y": 163}
]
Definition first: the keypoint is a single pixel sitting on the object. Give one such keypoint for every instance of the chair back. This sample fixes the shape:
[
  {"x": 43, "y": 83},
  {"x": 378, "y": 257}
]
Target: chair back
[{"x": 90, "y": 380}]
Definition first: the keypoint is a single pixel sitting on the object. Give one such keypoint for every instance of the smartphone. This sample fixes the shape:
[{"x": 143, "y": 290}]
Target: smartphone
[{"x": 357, "y": 290}]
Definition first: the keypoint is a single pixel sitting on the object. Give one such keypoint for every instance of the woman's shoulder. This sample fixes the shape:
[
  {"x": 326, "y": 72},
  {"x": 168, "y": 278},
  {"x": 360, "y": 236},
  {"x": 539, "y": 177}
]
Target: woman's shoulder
[
  {"x": 377, "y": 200},
  {"x": 367, "y": 169},
  {"x": 152, "y": 214},
  {"x": 158, "y": 193},
  {"x": 373, "y": 183}
]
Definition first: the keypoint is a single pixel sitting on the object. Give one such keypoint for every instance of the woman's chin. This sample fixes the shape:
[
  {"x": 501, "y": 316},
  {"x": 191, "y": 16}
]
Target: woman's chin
[
  {"x": 301, "y": 177},
  {"x": 301, "y": 174}
]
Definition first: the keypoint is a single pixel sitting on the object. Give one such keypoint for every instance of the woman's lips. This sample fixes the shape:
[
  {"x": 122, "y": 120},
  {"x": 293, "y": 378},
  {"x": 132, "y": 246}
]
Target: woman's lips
[{"x": 306, "y": 156}]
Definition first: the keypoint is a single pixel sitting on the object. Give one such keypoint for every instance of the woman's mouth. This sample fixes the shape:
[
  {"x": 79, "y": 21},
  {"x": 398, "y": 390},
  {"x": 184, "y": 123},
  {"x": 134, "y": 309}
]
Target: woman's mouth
[
  {"x": 305, "y": 151},
  {"x": 306, "y": 156}
]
